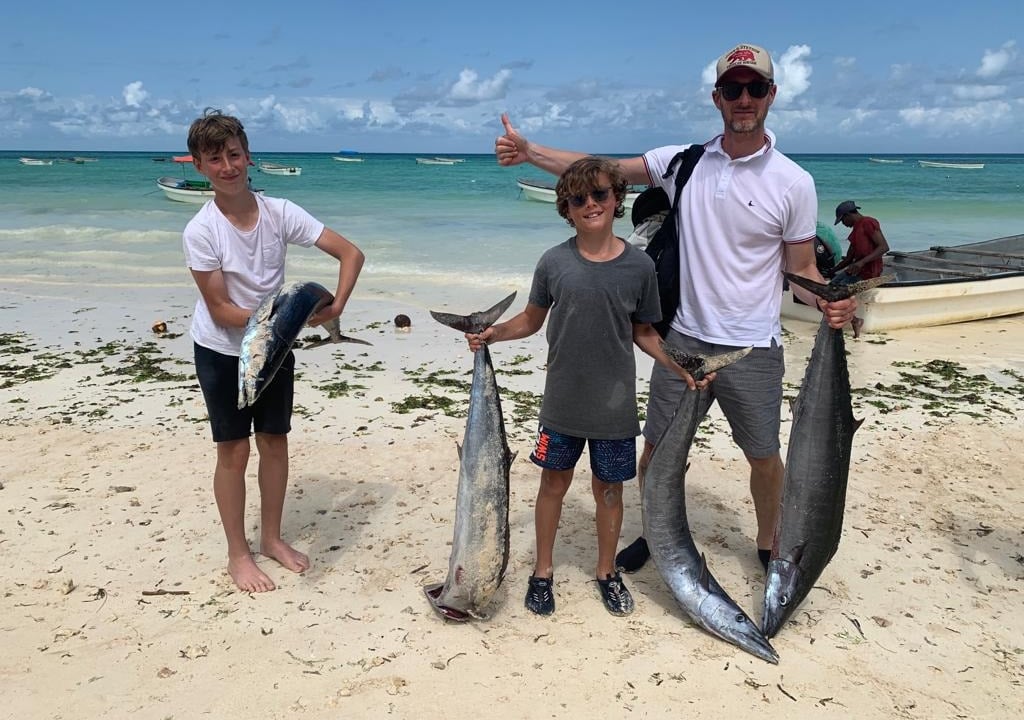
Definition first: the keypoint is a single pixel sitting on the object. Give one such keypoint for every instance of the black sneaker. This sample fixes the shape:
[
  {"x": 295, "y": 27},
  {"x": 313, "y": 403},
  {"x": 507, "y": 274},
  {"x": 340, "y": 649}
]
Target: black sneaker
[
  {"x": 615, "y": 595},
  {"x": 540, "y": 595},
  {"x": 632, "y": 558}
]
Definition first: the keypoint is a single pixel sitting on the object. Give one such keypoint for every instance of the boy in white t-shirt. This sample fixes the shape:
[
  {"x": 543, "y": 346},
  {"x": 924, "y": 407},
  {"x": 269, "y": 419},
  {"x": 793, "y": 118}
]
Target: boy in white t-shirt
[{"x": 235, "y": 248}]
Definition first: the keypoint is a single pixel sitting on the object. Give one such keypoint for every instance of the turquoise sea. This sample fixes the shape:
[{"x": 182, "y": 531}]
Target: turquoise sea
[{"x": 427, "y": 230}]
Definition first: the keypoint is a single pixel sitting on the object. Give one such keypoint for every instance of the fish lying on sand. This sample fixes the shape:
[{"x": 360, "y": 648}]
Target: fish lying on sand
[
  {"x": 817, "y": 467},
  {"x": 667, "y": 529},
  {"x": 272, "y": 330},
  {"x": 480, "y": 546}
]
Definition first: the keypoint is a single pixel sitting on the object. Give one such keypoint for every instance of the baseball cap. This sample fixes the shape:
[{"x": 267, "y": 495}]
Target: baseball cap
[
  {"x": 751, "y": 56},
  {"x": 846, "y": 206}
]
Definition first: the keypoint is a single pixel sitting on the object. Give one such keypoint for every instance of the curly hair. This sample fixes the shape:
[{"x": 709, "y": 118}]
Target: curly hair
[
  {"x": 582, "y": 177},
  {"x": 212, "y": 131}
]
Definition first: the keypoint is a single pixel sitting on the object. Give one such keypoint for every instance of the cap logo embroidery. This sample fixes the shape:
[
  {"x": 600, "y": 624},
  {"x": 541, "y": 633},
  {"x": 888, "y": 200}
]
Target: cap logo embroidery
[{"x": 742, "y": 55}]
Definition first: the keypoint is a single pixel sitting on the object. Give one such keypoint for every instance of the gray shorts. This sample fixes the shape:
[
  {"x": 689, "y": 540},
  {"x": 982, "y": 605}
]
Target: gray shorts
[{"x": 749, "y": 392}]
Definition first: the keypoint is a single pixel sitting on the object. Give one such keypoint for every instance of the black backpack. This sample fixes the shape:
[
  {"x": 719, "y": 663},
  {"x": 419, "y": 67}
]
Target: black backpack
[{"x": 664, "y": 244}]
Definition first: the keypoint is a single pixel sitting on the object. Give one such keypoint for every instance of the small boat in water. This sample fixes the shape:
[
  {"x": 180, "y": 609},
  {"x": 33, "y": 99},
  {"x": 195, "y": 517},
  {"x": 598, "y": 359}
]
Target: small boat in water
[
  {"x": 545, "y": 192},
  {"x": 950, "y": 165},
  {"x": 885, "y": 161},
  {"x": 447, "y": 160},
  {"x": 942, "y": 285},
  {"x": 435, "y": 161},
  {"x": 35, "y": 161},
  {"x": 188, "y": 191},
  {"x": 347, "y": 158},
  {"x": 277, "y": 169}
]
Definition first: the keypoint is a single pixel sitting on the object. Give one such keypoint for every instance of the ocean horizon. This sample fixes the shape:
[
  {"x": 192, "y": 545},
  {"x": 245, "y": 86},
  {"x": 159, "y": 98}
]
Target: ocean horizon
[{"x": 448, "y": 234}]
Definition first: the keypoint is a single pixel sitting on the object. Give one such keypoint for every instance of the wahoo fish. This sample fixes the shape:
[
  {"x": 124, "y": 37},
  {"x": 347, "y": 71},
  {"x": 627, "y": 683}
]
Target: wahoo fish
[
  {"x": 817, "y": 467},
  {"x": 667, "y": 529},
  {"x": 272, "y": 330},
  {"x": 480, "y": 547}
]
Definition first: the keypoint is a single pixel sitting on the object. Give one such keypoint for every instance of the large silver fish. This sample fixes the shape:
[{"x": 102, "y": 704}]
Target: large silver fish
[
  {"x": 480, "y": 546},
  {"x": 817, "y": 467},
  {"x": 667, "y": 529},
  {"x": 272, "y": 330}
]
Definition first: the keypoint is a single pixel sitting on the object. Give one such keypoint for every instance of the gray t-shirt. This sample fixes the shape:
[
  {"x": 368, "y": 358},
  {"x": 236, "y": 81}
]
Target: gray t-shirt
[{"x": 590, "y": 391}]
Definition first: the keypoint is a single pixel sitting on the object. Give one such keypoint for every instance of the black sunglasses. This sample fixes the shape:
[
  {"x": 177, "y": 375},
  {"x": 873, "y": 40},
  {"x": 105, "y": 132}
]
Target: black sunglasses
[
  {"x": 599, "y": 195},
  {"x": 757, "y": 89}
]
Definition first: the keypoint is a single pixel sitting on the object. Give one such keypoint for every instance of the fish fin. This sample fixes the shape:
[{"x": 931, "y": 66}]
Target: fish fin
[
  {"x": 857, "y": 424},
  {"x": 704, "y": 575},
  {"x": 310, "y": 344},
  {"x": 476, "y": 322},
  {"x": 832, "y": 292},
  {"x": 458, "y": 447},
  {"x": 433, "y": 593}
]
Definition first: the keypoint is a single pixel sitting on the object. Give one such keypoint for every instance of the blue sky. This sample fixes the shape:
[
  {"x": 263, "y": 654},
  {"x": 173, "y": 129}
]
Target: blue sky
[{"x": 872, "y": 77}]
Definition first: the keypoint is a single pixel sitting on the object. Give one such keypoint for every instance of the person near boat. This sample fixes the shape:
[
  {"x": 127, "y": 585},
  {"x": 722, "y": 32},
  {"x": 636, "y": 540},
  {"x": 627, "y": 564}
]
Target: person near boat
[{"x": 868, "y": 245}]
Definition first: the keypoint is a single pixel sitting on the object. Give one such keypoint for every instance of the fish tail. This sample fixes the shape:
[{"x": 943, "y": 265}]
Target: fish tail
[{"x": 476, "y": 322}]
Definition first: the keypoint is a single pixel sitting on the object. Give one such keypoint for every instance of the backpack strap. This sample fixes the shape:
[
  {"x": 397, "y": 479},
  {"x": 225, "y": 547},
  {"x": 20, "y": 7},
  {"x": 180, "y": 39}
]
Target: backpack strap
[{"x": 687, "y": 161}]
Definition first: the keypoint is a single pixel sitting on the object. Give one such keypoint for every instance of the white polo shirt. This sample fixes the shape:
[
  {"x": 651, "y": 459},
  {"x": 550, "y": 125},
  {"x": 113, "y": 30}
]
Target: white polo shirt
[
  {"x": 734, "y": 217},
  {"x": 252, "y": 261}
]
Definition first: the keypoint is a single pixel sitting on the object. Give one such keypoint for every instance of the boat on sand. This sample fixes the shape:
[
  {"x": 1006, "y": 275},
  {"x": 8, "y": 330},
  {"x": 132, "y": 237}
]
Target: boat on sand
[{"x": 942, "y": 285}]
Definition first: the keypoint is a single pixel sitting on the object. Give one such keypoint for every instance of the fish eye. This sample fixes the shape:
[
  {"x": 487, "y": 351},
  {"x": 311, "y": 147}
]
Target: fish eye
[
  {"x": 784, "y": 600},
  {"x": 741, "y": 618}
]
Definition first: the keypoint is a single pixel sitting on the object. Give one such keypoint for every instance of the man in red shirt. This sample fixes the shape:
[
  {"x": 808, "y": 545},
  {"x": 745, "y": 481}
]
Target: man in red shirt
[{"x": 867, "y": 246}]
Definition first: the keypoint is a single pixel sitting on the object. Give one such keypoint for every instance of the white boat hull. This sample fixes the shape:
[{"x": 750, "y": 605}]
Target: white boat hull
[
  {"x": 939, "y": 286},
  {"x": 178, "y": 190},
  {"x": 348, "y": 159},
  {"x": 275, "y": 169},
  {"x": 547, "y": 194},
  {"x": 950, "y": 165}
]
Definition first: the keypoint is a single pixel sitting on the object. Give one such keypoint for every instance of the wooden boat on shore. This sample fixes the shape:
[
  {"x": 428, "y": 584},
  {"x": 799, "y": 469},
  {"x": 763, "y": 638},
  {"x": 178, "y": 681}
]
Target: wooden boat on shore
[
  {"x": 545, "y": 192},
  {"x": 885, "y": 161},
  {"x": 950, "y": 165},
  {"x": 277, "y": 169},
  {"x": 939, "y": 286},
  {"x": 35, "y": 161}
]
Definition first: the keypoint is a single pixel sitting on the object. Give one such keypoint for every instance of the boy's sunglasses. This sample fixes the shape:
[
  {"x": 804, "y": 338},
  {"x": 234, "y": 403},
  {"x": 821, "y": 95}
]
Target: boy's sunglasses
[
  {"x": 757, "y": 89},
  {"x": 599, "y": 195}
]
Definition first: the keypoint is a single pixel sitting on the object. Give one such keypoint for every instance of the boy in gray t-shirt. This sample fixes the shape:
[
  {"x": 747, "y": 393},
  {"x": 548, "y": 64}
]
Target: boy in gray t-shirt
[{"x": 602, "y": 296}]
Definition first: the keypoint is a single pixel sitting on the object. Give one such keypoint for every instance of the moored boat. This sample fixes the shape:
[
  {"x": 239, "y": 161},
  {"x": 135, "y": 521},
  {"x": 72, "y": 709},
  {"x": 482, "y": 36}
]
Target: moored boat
[
  {"x": 347, "y": 158},
  {"x": 885, "y": 161},
  {"x": 182, "y": 190},
  {"x": 950, "y": 165},
  {"x": 545, "y": 192},
  {"x": 277, "y": 169},
  {"x": 435, "y": 161},
  {"x": 35, "y": 161},
  {"x": 943, "y": 285}
]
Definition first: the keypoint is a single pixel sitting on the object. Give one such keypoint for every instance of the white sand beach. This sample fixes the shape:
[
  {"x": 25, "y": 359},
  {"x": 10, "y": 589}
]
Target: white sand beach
[{"x": 115, "y": 601}]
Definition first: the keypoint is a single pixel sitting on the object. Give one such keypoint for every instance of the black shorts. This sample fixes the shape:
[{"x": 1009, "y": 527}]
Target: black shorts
[{"x": 218, "y": 378}]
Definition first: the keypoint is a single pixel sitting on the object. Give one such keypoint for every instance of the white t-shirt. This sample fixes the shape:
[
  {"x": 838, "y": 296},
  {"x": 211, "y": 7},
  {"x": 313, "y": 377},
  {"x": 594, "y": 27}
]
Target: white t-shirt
[
  {"x": 734, "y": 216},
  {"x": 252, "y": 261}
]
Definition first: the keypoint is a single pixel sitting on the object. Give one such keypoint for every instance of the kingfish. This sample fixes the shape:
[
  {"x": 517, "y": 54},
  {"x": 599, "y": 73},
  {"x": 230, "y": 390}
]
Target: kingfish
[
  {"x": 667, "y": 529},
  {"x": 272, "y": 330},
  {"x": 480, "y": 547},
  {"x": 817, "y": 467}
]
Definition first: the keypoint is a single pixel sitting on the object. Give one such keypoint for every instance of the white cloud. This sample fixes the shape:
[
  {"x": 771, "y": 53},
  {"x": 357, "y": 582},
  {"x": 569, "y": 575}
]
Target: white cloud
[
  {"x": 32, "y": 93},
  {"x": 993, "y": 62},
  {"x": 469, "y": 88},
  {"x": 978, "y": 92},
  {"x": 134, "y": 94},
  {"x": 940, "y": 121},
  {"x": 793, "y": 74}
]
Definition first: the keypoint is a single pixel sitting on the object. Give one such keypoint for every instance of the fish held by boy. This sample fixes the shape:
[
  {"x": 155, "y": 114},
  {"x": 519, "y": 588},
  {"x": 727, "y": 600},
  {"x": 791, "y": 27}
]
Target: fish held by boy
[
  {"x": 667, "y": 529},
  {"x": 272, "y": 330},
  {"x": 480, "y": 547},
  {"x": 817, "y": 467}
]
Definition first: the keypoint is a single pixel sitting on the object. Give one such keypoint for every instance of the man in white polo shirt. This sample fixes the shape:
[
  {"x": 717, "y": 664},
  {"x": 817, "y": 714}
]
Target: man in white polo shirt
[{"x": 747, "y": 213}]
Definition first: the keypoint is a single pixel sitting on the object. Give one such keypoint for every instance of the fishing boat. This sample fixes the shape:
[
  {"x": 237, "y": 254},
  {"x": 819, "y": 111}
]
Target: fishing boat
[
  {"x": 435, "y": 161},
  {"x": 185, "y": 190},
  {"x": 449, "y": 160},
  {"x": 950, "y": 165},
  {"x": 347, "y": 158},
  {"x": 35, "y": 161},
  {"x": 545, "y": 192},
  {"x": 885, "y": 161},
  {"x": 277, "y": 169},
  {"x": 943, "y": 285}
]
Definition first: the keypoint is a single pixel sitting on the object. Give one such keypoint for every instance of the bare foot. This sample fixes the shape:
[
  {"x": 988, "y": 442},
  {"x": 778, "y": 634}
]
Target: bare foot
[
  {"x": 247, "y": 576},
  {"x": 285, "y": 554}
]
